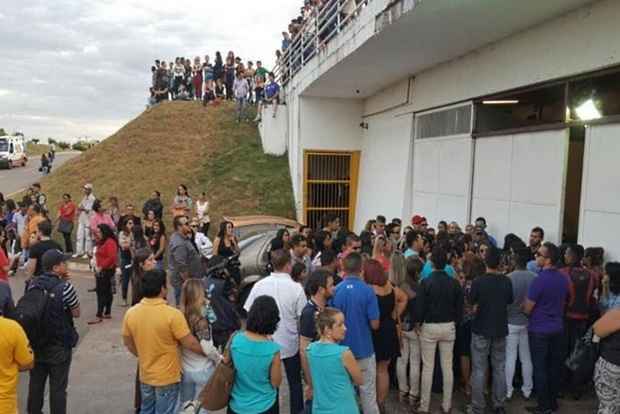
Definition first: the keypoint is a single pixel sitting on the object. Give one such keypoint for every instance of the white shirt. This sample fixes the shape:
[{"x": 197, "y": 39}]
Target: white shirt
[
  {"x": 86, "y": 204},
  {"x": 204, "y": 244},
  {"x": 290, "y": 298},
  {"x": 202, "y": 208},
  {"x": 20, "y": 221}
]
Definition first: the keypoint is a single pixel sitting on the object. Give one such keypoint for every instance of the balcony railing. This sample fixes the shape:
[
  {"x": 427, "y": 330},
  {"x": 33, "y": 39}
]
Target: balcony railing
[{"x": 322, "y": 26}]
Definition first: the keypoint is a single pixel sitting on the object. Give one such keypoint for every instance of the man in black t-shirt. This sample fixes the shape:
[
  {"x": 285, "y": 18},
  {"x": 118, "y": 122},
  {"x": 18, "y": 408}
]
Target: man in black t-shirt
[
  {"x": 490, "y": 296},
  {"x": 320, "y": 288},
  {"x": 44, "y": 243}
]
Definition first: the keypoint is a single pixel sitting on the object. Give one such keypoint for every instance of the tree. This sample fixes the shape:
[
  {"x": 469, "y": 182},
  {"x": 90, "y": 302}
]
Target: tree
[
  {"x": 2, "y": 132},
  {"x": 35, "y": 141},
  {"x": 51, "y": 141}
]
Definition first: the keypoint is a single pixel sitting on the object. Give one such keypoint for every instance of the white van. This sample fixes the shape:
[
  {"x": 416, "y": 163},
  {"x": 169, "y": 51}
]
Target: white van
[{"x": 12, "y": 151}]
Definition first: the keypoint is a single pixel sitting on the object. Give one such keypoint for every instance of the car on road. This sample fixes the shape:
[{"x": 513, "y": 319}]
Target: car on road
[{"x": 12, "y": 151}]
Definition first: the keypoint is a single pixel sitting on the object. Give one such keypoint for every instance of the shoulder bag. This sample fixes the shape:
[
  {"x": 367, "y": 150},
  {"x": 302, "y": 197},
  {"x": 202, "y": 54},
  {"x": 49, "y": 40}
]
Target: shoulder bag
[{"x": 216, "y": 394}]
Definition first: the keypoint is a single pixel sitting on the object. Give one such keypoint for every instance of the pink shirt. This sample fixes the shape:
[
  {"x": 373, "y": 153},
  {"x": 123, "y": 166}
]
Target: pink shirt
[{"x": 101, "y": 218}]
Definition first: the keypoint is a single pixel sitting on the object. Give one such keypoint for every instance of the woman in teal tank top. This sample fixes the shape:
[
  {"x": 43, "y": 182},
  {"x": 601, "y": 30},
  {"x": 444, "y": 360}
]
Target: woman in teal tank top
[{"x": 332, "y": 367}]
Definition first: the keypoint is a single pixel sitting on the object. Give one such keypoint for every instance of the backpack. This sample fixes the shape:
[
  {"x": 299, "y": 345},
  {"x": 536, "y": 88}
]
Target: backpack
[
  {"x": 582, "y": 282},
  {"x": 33, "y": 309}
]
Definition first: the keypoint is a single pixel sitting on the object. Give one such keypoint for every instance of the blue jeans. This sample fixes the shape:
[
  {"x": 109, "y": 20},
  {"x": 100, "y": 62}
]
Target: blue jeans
[
  {"x": 193, "y": 382},
  {"x": 481, "y": 348},
  {"x": 159, "y": 400},
  {"x": 292, "y": 367},
  {"x": 126, "y": 270},
  {"x": 547, "y": 354}
]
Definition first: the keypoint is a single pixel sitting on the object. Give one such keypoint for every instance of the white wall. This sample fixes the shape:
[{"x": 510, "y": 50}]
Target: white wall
[
  {"x": 580, "y": 41},
  {"x": 599, "y": 223},
  {"x": 390, "y": 97},
  {"x": 519, "y": 183},
  {"x": 274, "y": 130},
  {"x": 320, "y": 124},
  {"x": 442, "y": 178},
  {"x": 383, "y": 167}
]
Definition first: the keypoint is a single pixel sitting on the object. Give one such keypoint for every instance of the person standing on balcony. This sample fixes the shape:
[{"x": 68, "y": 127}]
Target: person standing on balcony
[{"x": 286, "y": 41}]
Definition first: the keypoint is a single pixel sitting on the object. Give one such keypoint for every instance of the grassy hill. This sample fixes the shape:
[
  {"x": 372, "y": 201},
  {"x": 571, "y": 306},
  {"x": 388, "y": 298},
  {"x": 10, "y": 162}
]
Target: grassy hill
[{"x": 181, "y": 143}]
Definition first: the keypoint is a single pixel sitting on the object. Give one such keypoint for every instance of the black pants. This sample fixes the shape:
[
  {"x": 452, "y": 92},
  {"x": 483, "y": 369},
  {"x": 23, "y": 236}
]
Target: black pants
[
  {"x": 547, "y": 354},
  {"x": 292, "y": 366},
  {"x": 103, "y": 287},
  {"x": 68, "y": 243},
  {"x": 59, "y": 378}
]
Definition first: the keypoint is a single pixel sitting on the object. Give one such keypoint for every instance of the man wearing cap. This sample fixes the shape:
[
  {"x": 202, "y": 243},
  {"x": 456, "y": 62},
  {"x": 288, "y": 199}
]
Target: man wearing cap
[
  {"x": 53, "y": 359},
  {"x": 83, "y": 244},
  {"x": 419, "y": 223}
]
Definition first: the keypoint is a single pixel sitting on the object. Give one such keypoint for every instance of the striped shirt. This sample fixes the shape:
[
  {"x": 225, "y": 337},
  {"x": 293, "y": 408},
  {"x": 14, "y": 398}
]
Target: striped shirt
[{"x": 69, "y": 297}]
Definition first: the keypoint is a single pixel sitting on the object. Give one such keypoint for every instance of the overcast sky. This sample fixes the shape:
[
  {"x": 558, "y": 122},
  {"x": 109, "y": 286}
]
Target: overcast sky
[{"x": 75, "y": 68}]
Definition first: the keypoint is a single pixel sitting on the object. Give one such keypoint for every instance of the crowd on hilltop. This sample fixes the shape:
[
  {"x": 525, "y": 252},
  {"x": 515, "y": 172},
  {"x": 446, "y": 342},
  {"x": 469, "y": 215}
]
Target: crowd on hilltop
[
  {"x": 344, "y": 316},
  {"x": 213, "y": 81}
]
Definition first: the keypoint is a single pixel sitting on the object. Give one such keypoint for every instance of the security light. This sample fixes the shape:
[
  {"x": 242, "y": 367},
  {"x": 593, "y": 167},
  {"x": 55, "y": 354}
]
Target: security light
[
  {"x": 501, "y": 102},
  {"x": 587, "y": 111}
]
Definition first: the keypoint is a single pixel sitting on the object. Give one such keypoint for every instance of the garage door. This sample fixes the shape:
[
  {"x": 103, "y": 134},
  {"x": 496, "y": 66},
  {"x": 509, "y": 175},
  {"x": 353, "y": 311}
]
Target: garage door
[
  {"x": 600, "y": 199},
  {"x": 442, "y": 165},
  {"x": 519, "y": 183}
]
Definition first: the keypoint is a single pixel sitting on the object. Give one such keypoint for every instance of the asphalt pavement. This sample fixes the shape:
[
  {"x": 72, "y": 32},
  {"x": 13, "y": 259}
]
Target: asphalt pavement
[{"x": 19, "y": 178}]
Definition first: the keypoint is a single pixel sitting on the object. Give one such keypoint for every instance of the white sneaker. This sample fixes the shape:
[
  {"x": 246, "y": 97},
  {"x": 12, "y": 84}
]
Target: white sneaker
[
  {"x": 85, "y": 256},
  {"x": 75, "y": 256}
]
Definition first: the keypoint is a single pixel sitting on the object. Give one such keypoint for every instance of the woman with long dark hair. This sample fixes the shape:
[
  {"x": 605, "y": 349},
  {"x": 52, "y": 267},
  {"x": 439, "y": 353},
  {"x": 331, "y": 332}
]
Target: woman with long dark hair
[
  {"x": 322, "y": 242},
  {"x": 126, "y": 243},
  {"x": 218, "y": 67},
  {"x": 182, "y": 203},
  {"x": 105, "y": 266},
  {"x": 225, "y": 243},
  {"x": 157, "y": 242},
  {"x": 229, "y": 77}
]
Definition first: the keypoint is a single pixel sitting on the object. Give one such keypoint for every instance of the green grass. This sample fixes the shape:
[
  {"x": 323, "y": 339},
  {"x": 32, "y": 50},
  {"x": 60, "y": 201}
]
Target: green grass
[
  {"x": 33, "y": 149},
  {"x": 261, "y": 183}
]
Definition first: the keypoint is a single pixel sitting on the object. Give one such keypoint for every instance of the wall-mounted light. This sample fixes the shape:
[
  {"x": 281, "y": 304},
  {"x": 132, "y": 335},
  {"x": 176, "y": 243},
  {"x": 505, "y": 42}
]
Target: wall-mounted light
[
  {"x": 588, "y": 110},
  {"x": 364, "y": 125},
  {"x": 501, "y": 102}
]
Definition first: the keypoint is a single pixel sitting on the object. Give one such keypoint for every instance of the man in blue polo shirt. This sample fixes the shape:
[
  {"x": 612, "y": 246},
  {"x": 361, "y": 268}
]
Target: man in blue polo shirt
[
  {"x": 359, "y": 304},
  {"x": 272, "y": 97}
]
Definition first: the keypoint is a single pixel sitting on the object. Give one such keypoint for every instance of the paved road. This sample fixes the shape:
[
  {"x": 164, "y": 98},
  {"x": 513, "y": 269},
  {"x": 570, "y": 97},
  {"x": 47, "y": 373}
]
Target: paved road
[
  {"x": 17, "y": 179},
  {"x": 103, "y": 373}
]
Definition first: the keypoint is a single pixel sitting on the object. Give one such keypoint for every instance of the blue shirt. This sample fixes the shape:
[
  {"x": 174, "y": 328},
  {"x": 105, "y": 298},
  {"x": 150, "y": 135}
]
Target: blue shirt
[
  {"x": 252, "y": 391},
  {"x": 610, "y": 302},
  {"x": 549, "y": 291},
  {"x": 272, "y": 89},
  {"x": 411, "y": 253},
  {"x": 359, "y": 304},
  {"x": 533, "y": 267},
  {"x": 428, "y": 269},
  {"x": 333, "y": 391}
]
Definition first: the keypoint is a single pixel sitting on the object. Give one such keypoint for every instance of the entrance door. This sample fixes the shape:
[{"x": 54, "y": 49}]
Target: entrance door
[
  {"x": 599, "y": 220},
  {"x": 519, "y": 183},
  {"x": 330, "y": 186}
]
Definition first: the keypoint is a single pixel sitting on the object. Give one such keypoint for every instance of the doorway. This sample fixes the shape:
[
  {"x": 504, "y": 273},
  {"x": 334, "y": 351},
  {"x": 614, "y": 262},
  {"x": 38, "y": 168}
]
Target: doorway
[
  {"x": 330, "y": 186},
  {"x": 574, "y": 176}
]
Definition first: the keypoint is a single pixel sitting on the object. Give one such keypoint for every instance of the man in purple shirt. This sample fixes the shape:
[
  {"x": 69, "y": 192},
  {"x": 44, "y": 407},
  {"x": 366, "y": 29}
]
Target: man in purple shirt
[{"x": 545, "y": 304}]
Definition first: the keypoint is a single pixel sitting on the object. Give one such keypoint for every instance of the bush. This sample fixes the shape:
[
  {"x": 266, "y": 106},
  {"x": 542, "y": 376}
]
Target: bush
[
  {"x": 80, "y": 146},
  {"x": 63, "y": 145}
]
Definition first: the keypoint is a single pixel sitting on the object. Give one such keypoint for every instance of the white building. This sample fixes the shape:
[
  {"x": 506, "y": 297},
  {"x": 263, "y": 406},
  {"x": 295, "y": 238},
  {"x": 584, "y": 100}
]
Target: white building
[{"x": 451, "y": 109}]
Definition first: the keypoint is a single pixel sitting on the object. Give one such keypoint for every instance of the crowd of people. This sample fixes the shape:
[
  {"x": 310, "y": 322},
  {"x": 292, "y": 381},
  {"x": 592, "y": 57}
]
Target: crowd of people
[
  {"x": 312, "y": 29},
  {"x": 344, "y": 316},
  {"x": 212, "y": 81}
]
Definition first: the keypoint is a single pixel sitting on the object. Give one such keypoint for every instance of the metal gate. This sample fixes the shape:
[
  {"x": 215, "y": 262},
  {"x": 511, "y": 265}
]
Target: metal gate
[{"x": 330, "y": 186}]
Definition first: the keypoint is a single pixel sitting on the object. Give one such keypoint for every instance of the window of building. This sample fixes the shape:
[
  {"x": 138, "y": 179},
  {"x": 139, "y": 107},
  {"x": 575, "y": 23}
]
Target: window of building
[
  {"x": 530, "y": 108},
  {"x": 447, "y": 122}
]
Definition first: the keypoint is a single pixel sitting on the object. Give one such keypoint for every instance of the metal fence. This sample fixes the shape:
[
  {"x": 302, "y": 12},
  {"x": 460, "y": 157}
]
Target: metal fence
[{"x": 321, "y": 27}]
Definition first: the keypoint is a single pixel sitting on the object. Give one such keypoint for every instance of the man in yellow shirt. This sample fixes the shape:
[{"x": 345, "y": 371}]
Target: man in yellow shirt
[
  {"x": 15, "y": 356},
  {"x": 152, "y": 331}
]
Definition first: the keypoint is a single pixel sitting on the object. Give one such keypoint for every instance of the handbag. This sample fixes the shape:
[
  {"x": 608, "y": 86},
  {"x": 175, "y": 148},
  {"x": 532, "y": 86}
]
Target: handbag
[
  {"x": 65, "y": 226},
  {"x": 216, "y": 393},
  {"x": 583, "y": 358}
]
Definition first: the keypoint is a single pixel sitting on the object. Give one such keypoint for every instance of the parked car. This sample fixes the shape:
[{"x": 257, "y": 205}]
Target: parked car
[{"x": 255, "y": 234}]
